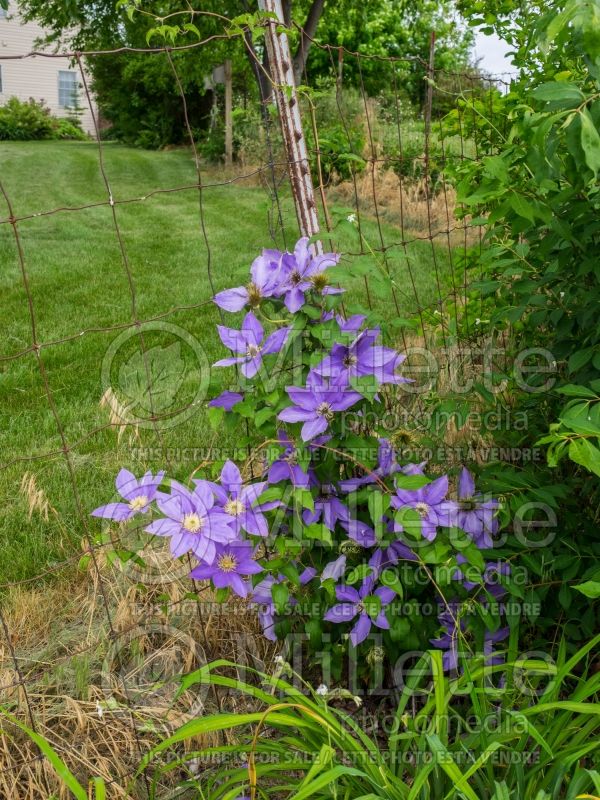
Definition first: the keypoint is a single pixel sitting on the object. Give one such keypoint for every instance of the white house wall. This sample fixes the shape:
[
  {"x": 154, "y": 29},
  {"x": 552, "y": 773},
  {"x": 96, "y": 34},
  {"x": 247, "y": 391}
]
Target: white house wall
[{"x": 36, "y": 76}]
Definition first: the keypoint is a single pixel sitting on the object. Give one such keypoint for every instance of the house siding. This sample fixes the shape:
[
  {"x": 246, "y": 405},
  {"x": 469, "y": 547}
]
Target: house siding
[{"x": 36, "y": 76}]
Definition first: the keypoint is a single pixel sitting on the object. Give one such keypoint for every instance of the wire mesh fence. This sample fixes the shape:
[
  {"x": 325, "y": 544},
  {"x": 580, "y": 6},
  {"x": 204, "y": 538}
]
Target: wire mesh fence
[{"x": 111, "y": 259}]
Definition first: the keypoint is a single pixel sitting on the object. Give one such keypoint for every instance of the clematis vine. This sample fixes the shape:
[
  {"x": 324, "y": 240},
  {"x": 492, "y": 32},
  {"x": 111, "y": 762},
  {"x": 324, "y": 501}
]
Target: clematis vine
[
  {"x": 192, "y": 522},
  {"x": 431, "y": 505},
  {"x": 306, "y": 272},
  {"x": 138, "y": 496},
  {"x": 311, "y": 526},
  {"x": 249, "y": 344},
  {"x": 266, "y": 274},
  {"x": 475, "y": 515},
  {"x": 316, "y": 405},
  {"x": 232, "y": 562},
  {"x": 241, "y": 502},
  {"x": 354, "y": 603}
]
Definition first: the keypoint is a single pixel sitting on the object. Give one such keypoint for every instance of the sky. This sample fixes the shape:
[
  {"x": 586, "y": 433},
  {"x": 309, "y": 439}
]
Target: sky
[{"x": 492, "y": 52}]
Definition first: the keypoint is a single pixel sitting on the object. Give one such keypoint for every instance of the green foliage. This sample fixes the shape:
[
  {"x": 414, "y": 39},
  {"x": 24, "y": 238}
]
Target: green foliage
[
  {"x": 537, "y": 190},
  {"x": 23, "y": 121},
  {"x": 70, "y": 129},
  {"x": 29, "y": 120},
  {"x": 140, "y": 96},
  {"x": 533, "y": 734}
]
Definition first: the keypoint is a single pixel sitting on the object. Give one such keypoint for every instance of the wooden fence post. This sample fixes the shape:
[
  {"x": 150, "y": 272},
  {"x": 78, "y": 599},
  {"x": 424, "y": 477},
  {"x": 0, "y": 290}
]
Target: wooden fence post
[
  {"x": 282, "y": 76},
  {"x": 228, "y": 113}
]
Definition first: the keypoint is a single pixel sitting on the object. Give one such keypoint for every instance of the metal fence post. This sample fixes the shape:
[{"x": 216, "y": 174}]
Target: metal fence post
[{"x": 282, "y": 76}]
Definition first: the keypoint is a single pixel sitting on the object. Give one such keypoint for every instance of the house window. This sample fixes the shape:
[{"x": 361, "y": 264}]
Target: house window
[{"x": 67, "y": 88}]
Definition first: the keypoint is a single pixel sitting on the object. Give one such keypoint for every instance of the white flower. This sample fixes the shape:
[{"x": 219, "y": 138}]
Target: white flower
[
  {"x": 99, "y": 709},
  {"x": 351, "y": 218},
  {"x": 279, "y": 660},
  {"x": 437, "y": 311},
  {"x": 477, "y": 321},
  {"x": 322, "y": 690}
]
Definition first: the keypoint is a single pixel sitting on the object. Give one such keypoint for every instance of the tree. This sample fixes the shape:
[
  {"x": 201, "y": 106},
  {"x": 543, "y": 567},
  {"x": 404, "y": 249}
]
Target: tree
[{"x": 140, "y": 95}]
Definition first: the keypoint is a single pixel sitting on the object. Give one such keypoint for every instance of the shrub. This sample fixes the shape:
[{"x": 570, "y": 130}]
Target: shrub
[
  {"x": 26, "y": 120},
  {"x": 70, "y": 129}
]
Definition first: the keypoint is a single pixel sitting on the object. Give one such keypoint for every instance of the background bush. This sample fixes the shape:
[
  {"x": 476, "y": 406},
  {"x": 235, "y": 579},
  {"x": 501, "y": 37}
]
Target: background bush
[{"x": 28, "y": 120}]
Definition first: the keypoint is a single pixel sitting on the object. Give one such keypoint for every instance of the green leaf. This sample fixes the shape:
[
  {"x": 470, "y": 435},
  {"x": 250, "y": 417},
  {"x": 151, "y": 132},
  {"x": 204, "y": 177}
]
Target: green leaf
[
  {"x": 590, "y": 141},
  {"x": 572, "y": 390},
  {"x": 411, "y": 481},
  {"x": 318, "y": 532},
  {"x": 64, "y": 774},
  {"x": 263, "y": 415},
  {"x": 366, "y": 385},
  {"x": 583, "y": 452},
  {"x": 590, "y": 589},
  {"x": 281, "y": 595},
  {"x": 562, "y": 94},
  {"x": 521, "y": 206}
]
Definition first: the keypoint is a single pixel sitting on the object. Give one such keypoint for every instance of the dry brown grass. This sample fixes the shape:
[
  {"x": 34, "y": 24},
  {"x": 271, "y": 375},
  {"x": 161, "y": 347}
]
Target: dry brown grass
[
  {"x": 419, "y": 209},
  {"x": 103, "y": 693}
]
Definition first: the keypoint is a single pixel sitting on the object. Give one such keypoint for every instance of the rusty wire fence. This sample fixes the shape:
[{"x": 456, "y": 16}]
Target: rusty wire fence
[{"x": 97, "y": 621}]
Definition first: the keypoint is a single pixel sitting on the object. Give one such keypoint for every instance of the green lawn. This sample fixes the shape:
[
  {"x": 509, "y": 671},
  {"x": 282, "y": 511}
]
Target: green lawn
[{"x": 79, "y": 284}]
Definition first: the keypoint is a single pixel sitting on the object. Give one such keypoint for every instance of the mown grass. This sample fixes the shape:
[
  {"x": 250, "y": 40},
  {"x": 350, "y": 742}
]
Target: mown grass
[{"x": 79, "y": 284}]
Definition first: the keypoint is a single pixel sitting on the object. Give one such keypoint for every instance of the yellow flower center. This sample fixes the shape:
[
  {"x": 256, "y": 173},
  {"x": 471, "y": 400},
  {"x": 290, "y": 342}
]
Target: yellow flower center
[
  {"x": 234, "y": 507},
  {"x": 325, "y": 410},
  {"x": 227, "y": 563},
  {"x": 253, "y": 350},
  {"x": 138, "y": 503},
  {"x": 422, "y": 509},
  {"x": 193, "y": 523},
  {"x": 254, "y": 296},
  {"x": 319, "y": 281}
]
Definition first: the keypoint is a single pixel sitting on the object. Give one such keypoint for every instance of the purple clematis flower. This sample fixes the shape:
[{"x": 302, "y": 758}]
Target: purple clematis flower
[
  {"x": 286, "y": 467},
  {"x": 490, "y": 579},
  {"x": 249, "y": 343},
  {"x": 138, "y": 494},
  {"x": 360, "y": 532},
  {"x": 476, "y": 516},
  {"x": 352, "y": 605},
  {"x": 353, "y": 323},
  {"x": 192, "y": 521},
  {"x": 307, "y": 574},
  {"x": 429, "y": 502},
  {"x": 266, "y": 272},
  {"x": 386, "y": 466},
  {"x": 328, "y": 508},
  {"x": 226, "y": 400},
  {"x": 304, "y": 272},
  {"x": 315, "y": 405},
  {"x": 262, "y": 596},
  {"x": 240, "y": 502},
  {"x": 492, "y": 658},
  {"x": 335, "y": 569},
  {"x": 362, "y": 358},
  {"x": 231, "y": 562}
]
